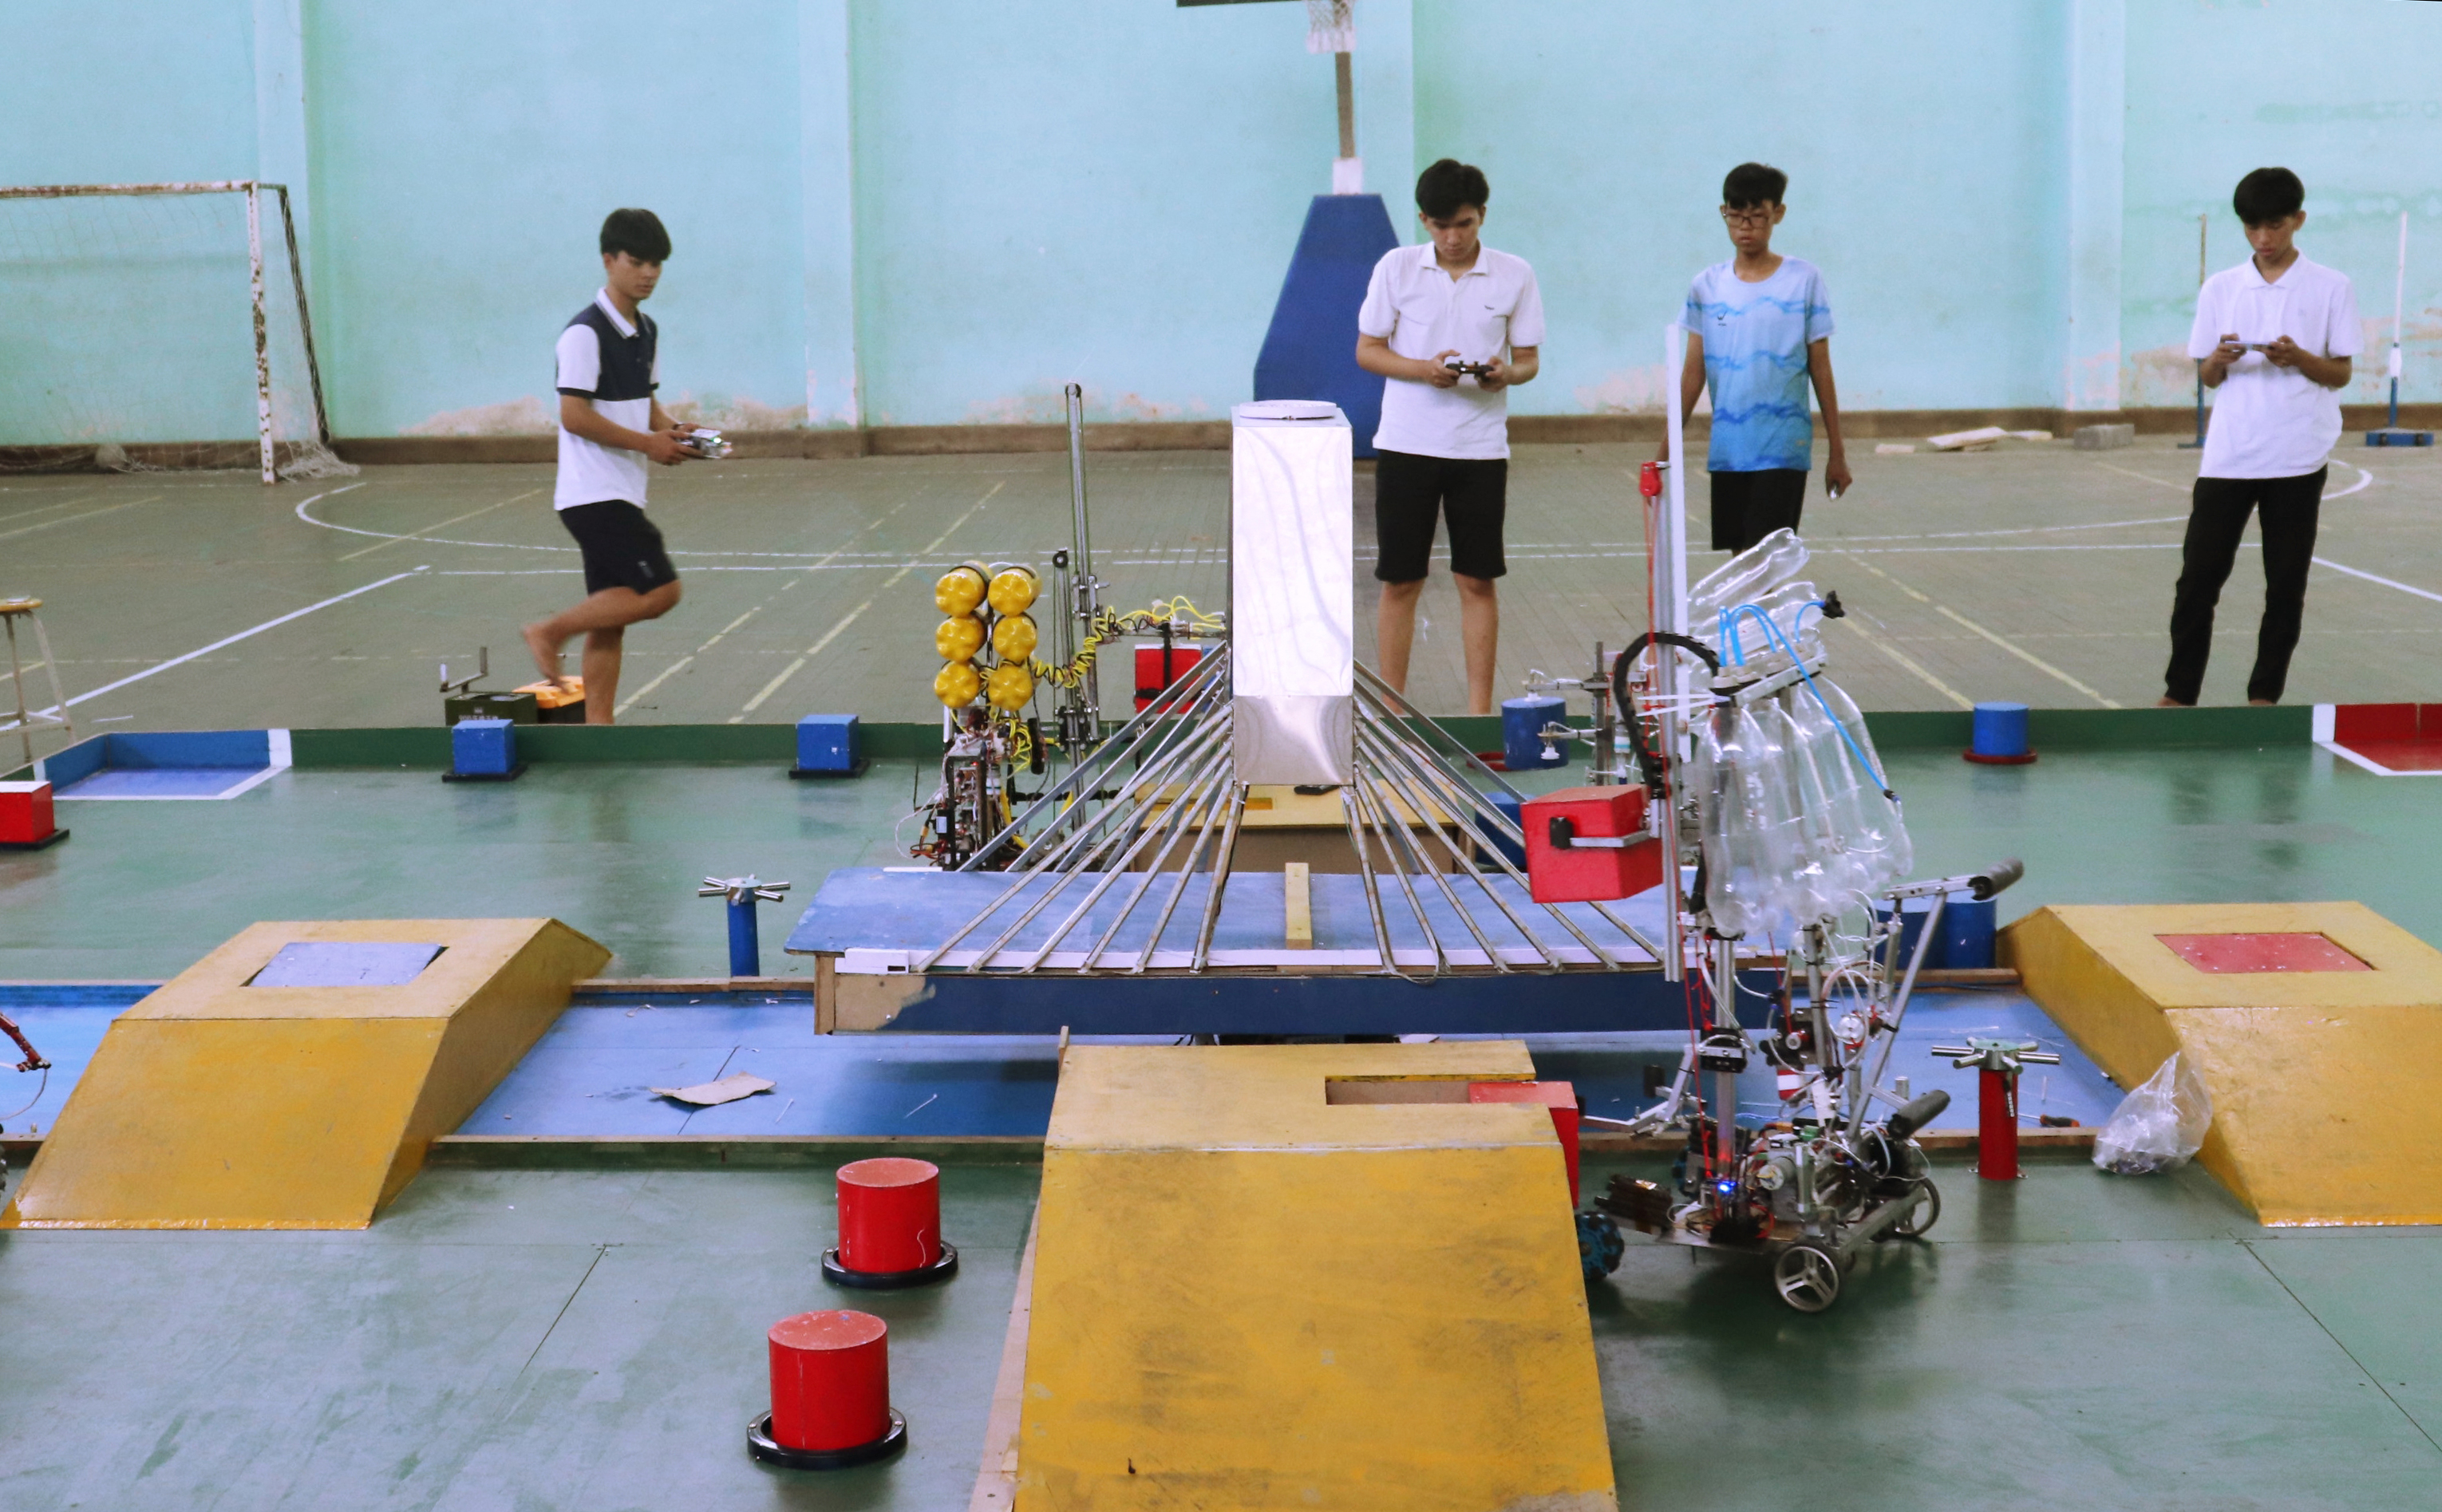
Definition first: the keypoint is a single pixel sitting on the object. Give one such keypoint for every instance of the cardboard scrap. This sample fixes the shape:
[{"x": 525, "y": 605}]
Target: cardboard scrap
[
  {"x": 1894, "y": 448},
  {"x": 1976, "y": 440},
  {"x": 711, "y": 1094}
]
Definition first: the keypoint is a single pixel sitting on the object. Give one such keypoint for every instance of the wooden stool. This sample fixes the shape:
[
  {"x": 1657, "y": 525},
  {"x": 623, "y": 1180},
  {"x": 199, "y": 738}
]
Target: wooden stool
[{"x": 12, "y": 611}]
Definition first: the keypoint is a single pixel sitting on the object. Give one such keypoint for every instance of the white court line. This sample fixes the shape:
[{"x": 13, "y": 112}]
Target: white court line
[
  {"x": 228, "y": 639},
  {"x": 2364, "y": 481},
  {"x": 849, "y": 618},
  {"x": 630, "y": 701},
  {"x": 1905, "y": 661},
  {"x": 2325, "y": 561},
  {"x": 90, "y": 514},
  {"x": 412, "y": 535}
]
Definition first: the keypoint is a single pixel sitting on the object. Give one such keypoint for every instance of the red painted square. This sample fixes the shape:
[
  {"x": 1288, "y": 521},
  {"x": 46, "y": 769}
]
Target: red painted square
[
  {"x": 2353, "y": 723},
  {"x": 1560, "y": 1097},
  {"x": 2302, "y": 952}
]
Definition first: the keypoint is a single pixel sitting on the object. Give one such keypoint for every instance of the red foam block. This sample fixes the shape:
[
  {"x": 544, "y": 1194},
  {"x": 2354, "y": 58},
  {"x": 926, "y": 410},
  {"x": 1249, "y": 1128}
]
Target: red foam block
[
  {"x": 24, "y": 812},
  {"x": 1582, "y": 874}
]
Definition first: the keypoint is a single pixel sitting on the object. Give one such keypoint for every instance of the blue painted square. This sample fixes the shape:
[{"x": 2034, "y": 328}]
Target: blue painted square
[
  {"x": 482, "y": 748},
  {"x": 826, "y": 742},
  {"x": 345, "y": 963}
]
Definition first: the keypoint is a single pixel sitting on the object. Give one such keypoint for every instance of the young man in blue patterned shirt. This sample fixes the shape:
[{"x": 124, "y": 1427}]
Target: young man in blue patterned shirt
[{"x": 1759, "y": 331}]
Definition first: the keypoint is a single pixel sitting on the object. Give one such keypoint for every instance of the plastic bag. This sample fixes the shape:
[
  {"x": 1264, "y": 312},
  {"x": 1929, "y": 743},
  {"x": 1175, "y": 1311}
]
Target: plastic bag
[{"x": 2160, "y": 1125}]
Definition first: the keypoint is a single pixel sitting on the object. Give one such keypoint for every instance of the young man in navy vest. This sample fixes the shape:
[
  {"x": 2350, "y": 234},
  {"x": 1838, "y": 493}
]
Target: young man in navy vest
[{"x": 610, "y": 426}]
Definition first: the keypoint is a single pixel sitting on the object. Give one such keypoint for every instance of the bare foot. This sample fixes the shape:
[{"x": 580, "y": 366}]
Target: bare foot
[
  {"x": 546, "y": 654},
  {"x": 2172, "y": 703}
]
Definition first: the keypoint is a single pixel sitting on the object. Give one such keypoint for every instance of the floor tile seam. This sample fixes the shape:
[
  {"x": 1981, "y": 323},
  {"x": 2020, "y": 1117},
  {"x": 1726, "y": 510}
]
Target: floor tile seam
[{"x": 2283, "y": 1282}]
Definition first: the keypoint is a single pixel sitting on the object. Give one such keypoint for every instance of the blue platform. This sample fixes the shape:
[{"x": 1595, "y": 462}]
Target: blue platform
[
  {"x": 166, "y": 764},
  {"x": 1310, "y": 351},
  {"x": 1278, "y": 992},
  {"x": 592, "y": 1075}
]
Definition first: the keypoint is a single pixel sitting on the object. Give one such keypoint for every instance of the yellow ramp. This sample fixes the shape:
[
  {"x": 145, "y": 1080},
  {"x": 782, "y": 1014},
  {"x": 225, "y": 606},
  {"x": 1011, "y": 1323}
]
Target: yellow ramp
[
  {"x": 1253, "y": 1291},
  {"x": 216, "y": 1104},
  {"x": 2321, "y": 1078}
]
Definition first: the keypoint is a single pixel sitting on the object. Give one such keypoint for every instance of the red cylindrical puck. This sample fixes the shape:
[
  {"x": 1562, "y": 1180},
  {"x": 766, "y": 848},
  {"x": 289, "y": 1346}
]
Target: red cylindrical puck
[
  {"x": 830, "y": 1380},
  {"x": 890, "y": 1216}
]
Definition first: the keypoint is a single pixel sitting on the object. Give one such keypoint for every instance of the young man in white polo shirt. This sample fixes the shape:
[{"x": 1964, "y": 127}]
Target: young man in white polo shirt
[
  {"x": 2275, "y": 336},
  {"x": 1453, "y": 326},
  {"x": 610, "y": 426}
]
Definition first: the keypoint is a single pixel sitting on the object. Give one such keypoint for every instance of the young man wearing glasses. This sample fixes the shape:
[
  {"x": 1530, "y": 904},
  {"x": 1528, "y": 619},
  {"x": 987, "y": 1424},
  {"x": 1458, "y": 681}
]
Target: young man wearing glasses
[{"x": 1758, "y": 330}]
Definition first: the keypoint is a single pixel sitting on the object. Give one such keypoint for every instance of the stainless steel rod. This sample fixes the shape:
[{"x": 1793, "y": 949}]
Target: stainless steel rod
[
  {"x": 1191, "y": 734},
  {"x": 1066, "y": 875},
  {"x": 1221, "y": 861},
  {"x": 1111, "y": 750},
  {"x": 1379, "y": 806},
  {"x": 1424, "y": 808},
  {"x": 1184, "y": 817},
  {"x": 1373, "y": 895},
  {"x": 1385, "y": 692},
  {"x": 1187, "y": 871},
  {"x": 1145, "y": 835}
]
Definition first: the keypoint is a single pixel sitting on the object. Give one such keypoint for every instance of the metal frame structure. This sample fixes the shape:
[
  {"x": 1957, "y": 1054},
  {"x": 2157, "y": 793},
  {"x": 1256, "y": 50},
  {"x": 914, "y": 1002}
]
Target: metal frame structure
[{"x": 253, "y": 189}]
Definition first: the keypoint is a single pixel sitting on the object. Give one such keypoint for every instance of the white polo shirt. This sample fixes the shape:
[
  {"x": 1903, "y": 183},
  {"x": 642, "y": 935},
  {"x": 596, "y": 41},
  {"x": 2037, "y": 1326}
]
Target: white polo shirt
[
  {"x": 1420, "y": 310},
  {"x": 613, "y": 365},
  {"x": 2271, "y": 421}
]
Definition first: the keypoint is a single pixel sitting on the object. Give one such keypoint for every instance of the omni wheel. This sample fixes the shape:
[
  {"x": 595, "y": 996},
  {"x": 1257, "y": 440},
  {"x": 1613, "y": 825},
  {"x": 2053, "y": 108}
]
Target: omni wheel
[
  {"x": 1807, "y": 1278},
  {"x": 1923, "y": 1217}
]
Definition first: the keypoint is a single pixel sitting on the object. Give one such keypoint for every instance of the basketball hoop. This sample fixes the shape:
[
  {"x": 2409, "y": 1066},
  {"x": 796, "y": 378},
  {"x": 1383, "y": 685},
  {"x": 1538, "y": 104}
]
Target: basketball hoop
[{"x": 1330, "y": 26}]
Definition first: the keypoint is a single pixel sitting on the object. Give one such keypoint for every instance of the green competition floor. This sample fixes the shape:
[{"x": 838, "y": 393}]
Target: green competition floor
[
  {"x": 2034, "y": 572},
  {"x": 549, "y": 1339}
]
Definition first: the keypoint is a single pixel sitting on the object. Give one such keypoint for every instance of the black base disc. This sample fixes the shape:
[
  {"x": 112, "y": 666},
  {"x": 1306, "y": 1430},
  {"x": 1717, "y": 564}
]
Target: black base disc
[
  {"x": 47, "y": 841},
  {"x": 510, "y": 775},
  {"x": 761, "y": 1443},
  {"x": 855, "y": 770},
  {"x": 839, "y": 1275}
]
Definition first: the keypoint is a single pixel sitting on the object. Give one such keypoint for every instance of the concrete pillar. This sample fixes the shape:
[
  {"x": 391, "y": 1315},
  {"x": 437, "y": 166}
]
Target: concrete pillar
[
  {"x": 826, "y": 189},
  {"x": 2098, "y": 134}
]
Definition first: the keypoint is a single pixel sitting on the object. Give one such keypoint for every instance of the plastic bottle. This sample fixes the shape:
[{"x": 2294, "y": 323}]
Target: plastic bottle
[
  {"x": 1755, "y": 845},
  {"x": 1873, "y": 828},
  {"x": 1785, "y": 607},
  {"x": 1758, "y": 570},
  {"x": 1717, "y": 774},
  {"x": 1820, "y": 885}
]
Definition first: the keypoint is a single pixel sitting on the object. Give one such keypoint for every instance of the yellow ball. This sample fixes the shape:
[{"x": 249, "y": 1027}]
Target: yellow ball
[
  {"x": 956, "y": 684},
  {"x": 1012, "y": 686},
  {"x": 1013, "y": 591},
  {"x": 960, "y": 638},
  {"x": 1014, "y": 637},
  {"x": 960, "y": 591}
]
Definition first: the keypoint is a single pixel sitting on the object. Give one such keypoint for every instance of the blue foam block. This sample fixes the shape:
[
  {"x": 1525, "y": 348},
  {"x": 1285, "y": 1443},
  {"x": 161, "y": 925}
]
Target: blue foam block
[
  {"x": 1509, "y": 805},
  {"x": 826, "y": 742},
  {"x": 482, "y": 748},
  {"x": 1310, "y": 351}
]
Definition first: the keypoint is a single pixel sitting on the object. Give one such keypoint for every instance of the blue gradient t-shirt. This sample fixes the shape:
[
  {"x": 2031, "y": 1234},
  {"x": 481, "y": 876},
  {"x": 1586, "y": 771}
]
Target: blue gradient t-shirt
[{"x": 1755, "y": 337}]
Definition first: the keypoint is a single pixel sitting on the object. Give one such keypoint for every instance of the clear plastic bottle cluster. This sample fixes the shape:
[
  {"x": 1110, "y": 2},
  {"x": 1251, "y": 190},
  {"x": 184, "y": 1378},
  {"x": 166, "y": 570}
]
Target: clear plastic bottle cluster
[{"x": 1797, "y": 825}]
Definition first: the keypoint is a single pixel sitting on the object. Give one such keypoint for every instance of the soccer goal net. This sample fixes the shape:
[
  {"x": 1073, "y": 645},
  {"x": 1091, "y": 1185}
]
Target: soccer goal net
[{"x": 156, "y": 326}]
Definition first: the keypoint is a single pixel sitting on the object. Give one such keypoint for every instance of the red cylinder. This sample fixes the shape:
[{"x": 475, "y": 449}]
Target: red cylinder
[
  {"x": 1997, "y": 1126},
  {"x": 890, "y": 1216},
  {"x": 830, "y": 1380}
]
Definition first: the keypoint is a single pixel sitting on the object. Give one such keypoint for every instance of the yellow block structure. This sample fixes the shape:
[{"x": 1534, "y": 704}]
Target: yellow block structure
[
  {"x": 2321, "y": 1079},
  {"x": 1306, "y": 1277},
  {"x": 214, "y": 1104}
]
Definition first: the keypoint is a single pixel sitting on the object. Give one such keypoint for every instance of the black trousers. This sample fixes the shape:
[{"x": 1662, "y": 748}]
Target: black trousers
[
  {"x": 2216, "y": 520},
  {"x": 1747, "y": 506}
]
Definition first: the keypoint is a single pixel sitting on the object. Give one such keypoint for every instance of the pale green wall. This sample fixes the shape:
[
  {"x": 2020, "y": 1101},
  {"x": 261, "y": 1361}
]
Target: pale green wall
[{"x": 924, "y": 214}]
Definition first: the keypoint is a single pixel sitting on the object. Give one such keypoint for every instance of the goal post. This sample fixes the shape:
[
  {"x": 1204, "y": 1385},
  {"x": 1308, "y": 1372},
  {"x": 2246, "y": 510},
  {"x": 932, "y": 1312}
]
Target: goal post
[{"x": 123, "y": 345}]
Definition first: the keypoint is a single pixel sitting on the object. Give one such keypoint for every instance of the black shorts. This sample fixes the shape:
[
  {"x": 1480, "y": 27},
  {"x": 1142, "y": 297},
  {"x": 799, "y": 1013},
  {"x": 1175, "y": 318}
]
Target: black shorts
[
  {"x": 1411, "y": 491},
  {"x": 622, "y": 548},
  {"x": 1747, "y": 506}
]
